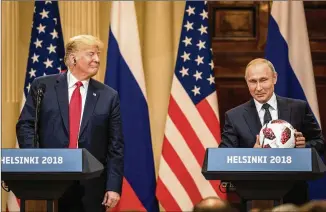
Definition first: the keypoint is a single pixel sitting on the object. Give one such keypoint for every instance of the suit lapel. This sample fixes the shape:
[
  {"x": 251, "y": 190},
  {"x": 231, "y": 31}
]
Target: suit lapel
[
  {"x": 62, "y": 95},
  {"x": 252, "y": 118},
  {"x": 91, "y": 99},
  {"x": 284, "y": 111}
]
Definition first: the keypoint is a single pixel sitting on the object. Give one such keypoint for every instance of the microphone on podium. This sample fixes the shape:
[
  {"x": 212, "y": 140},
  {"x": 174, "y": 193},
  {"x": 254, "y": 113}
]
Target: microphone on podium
[{"x": 39, "y": 97}]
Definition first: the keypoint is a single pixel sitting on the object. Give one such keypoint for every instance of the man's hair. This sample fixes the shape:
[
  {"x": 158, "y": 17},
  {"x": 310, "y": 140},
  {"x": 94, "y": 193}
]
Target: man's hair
[
  {"x": 314, "y": 206},
  {"x": 260, "y": 61},
  {"x": 79, "y": 42},
  {"x": 212, "y": 204},
  {"x": 285, "y": 208}
]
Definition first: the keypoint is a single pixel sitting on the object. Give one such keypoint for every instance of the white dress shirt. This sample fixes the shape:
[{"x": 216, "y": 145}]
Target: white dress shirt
[
  {"x": 272, "y": 109},
  {"x": 83, "y": 90}
]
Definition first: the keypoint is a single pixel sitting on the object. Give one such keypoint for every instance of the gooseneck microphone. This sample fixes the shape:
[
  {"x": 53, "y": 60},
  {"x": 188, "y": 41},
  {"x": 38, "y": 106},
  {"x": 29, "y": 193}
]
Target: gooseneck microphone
[{"x": 39, "y": 97}]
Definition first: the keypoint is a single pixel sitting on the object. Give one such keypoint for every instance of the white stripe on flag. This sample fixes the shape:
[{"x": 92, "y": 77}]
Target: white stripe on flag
[
  {"x": 212, "y": 100},
  {"x": 188, "y": 159},
  {"x": 12, "y": 203},
  {"x": 124, "y": 24},
  {"x": 191, "y": 113},
  {"x": 174, "y": 186},
  {"x": 290, "y": 17}
]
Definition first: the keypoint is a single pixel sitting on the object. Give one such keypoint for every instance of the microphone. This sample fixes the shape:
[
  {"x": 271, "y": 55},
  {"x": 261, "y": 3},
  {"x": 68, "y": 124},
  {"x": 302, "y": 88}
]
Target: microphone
[
  {"x": 39, "y": 96},
  {"x": 41, "y": 90}
]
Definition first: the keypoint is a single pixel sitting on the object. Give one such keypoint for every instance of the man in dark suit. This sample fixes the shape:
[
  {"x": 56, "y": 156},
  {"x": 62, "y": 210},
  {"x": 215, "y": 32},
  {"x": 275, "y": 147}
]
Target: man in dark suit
[
  {"x": 243, "y": 123},
  {"x": 79, "y": 112}
]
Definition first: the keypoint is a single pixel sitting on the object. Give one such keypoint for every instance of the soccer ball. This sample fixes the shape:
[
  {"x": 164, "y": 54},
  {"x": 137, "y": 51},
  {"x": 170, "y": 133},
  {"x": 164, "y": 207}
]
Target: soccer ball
[{"x": 277, "y": 134}]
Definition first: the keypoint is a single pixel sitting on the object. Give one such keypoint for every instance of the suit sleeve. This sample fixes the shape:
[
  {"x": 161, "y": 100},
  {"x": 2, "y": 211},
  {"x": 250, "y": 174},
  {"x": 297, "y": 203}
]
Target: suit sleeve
[
  {"x": 26, "y": 121},
  {"x": 115, "y": 159},
  {"x": 229, "y": 134},
  {"x": 312, "y": 131}
]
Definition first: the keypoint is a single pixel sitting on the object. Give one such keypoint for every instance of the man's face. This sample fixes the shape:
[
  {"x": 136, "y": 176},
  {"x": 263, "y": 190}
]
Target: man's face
[
  {"x": 88, "y": 61},
  {"x": 261, "y": 80}
]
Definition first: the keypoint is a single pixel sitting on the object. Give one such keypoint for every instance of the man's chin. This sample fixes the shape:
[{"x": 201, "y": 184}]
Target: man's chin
[
  {"x": 261, "y": 99},
  {"x": 93, "y": 72}
]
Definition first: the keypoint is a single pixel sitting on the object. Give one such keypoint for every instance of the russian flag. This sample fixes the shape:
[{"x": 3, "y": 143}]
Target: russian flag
[
  {"x": 125, "y": 74},
  {"x": 289, "y": 51}
]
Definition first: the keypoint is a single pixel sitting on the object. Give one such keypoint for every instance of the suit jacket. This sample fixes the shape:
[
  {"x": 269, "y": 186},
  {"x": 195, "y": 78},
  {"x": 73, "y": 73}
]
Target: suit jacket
[
  {"x": 242, "y": 123},
  {"x": 100, "y": 130}
]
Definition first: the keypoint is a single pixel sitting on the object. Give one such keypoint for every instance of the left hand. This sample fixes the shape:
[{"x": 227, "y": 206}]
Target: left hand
[
  {"x": 110, "y": 199},
  {"x": 257, "y": 144},
  {"x": 300, "y": 140}
]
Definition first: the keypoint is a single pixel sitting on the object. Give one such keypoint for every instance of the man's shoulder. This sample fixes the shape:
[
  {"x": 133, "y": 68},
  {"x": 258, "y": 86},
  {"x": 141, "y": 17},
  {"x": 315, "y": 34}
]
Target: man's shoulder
[
  {"x": 103, "y": 87},
  {"x": 239, "y": 108},
  {"x": 47, "y": 78},
  {"x": 292, "y": 101}
]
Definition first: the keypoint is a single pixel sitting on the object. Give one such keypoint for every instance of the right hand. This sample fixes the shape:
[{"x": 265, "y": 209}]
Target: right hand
[
  {"x": 110, "y": 200},
  {"x": 257, "y": 144}
]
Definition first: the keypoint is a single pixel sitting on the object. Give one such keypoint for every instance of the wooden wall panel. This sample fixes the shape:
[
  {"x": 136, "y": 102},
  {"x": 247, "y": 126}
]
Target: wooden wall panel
[
  {"x": 316, "y": 23},
  {"x": 316, "y": 20},
  {"x": 239, "y": 33},
  {"x": 234, "y": 23}
]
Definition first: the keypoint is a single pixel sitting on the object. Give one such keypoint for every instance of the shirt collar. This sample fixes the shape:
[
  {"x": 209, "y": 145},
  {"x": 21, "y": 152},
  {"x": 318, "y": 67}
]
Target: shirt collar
[
  {"x": 72, "y": 80},
  {"x": 272, "y": 102}
]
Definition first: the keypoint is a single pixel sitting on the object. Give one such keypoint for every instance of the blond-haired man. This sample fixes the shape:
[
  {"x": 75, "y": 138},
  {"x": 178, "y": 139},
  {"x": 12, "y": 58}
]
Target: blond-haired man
[
  {"x": 79, "y": 112},
  {"x": 243, "y": 123}
]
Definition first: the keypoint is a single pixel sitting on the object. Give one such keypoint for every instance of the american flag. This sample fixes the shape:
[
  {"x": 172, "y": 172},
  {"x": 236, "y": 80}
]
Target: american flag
[
  {"x": 46, "y": 53},
  {"x": 192, "y": 123},
  {"x": 46, "y": 50}
]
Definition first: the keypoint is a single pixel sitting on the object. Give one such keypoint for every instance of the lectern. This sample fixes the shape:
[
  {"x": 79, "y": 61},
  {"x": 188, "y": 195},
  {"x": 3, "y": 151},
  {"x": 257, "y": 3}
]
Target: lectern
[
  {"x": 44, "y": 174},
  {"x": 262, "y": 174}
]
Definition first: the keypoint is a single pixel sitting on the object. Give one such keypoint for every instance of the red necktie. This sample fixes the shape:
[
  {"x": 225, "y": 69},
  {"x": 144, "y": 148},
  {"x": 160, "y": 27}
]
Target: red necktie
[{"x": 75, "y": 108}]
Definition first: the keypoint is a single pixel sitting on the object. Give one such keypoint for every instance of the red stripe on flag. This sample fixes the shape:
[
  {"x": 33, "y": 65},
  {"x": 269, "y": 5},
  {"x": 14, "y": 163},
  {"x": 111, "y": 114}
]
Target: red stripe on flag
[
  {"x": 186, "y": 130},
  {"x": 216, "y": 185},
  {"x": 192, "y": 140},
  {"x": 213, "y": 124},
  {"x": 179, "y": 169},
  {"x": 129, "y": 200},
  {"x": 166, "y": 199},
  {"x": 209, "y": 117}
]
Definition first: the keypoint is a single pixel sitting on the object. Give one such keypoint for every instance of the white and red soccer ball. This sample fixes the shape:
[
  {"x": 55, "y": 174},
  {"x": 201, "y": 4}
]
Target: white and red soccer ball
[{"x": 277, "y": 134}]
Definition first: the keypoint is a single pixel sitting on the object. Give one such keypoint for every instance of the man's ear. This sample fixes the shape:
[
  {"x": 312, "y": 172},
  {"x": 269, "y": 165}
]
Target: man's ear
[
  {"x": 72, "y": 59},
  {"x": 275, "y": 77}
]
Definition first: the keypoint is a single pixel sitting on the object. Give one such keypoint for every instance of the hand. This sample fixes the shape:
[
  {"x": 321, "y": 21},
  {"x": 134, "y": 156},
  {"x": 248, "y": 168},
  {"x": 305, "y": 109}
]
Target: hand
[
  {"x": 110, "y": 199},
  {"x": 257, "y": 144},
  {"x": 300, "y": 140}
]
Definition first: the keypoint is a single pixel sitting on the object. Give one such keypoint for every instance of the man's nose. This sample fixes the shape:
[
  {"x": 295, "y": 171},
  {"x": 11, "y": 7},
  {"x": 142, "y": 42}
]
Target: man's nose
[
  {"x": 259, "y": 87},
  {"x": 96, "y": 58}
]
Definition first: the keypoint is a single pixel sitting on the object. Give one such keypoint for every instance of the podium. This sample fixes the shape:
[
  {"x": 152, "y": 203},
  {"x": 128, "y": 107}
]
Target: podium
[
  {"x": 45, "y": 174},
  {"x": 264, "y": 173}
]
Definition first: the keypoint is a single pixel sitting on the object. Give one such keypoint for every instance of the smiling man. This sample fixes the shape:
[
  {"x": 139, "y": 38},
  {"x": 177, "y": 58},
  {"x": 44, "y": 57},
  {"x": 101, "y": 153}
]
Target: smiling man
[
  {"x": 79, "y": 112},
  {"x": 243, "y": 123}
]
